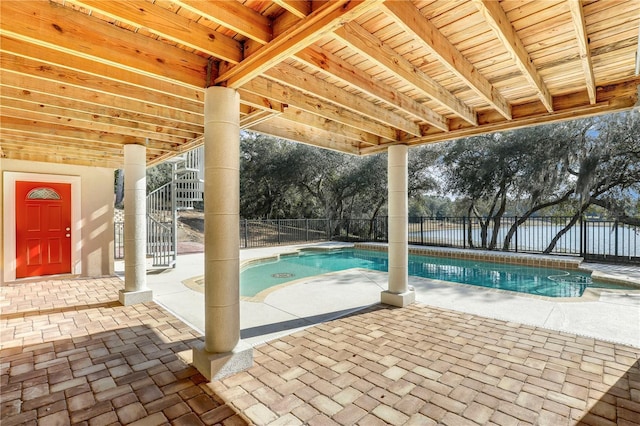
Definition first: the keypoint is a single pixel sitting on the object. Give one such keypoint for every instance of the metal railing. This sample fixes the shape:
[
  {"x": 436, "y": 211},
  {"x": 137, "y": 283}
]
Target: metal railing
[{"x": 595, "y": 240}]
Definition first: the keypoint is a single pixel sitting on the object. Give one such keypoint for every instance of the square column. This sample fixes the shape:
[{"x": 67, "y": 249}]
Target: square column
[
  {"x": 398, "y": 293},
  {"x": 135, "y": 226},
  {"x": 222, "y": 353}
]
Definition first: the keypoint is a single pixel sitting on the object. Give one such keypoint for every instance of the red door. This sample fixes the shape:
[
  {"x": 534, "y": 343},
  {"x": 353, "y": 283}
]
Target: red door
[{"x": 43, "y": 228}]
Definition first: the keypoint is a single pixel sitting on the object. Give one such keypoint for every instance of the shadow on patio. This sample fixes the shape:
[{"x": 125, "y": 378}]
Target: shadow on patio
[{"x": 98, "y": 362}]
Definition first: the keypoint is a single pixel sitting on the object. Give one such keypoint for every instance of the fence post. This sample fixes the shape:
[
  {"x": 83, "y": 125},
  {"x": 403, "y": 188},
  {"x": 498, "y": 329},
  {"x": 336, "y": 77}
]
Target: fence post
[
  {"x": 515, "y": 223},
  {"x": 306, "y": 228},
  {"x": 421, "y": 230},
  {"x": 174, "y": 214},
  {"x": 374, "y": 226},
  {"x": 348, "y": 226},
  {"x": 329, "y": 229},
  {"x": 615, "y": 238},
  {"x": 246, "y": 234},
  {"x": 583, "y": 238},
  {"x": 464, "y": 232},
  {"x": 278, "y": 227}
]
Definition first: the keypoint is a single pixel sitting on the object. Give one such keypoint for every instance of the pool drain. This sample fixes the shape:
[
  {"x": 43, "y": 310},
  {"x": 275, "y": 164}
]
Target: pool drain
[{"x": 283, "y": 275}]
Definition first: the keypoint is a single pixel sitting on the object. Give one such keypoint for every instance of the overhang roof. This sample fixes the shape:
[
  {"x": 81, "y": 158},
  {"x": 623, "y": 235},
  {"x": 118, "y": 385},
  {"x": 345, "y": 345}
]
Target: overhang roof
[{"x": 81, "y": 78}]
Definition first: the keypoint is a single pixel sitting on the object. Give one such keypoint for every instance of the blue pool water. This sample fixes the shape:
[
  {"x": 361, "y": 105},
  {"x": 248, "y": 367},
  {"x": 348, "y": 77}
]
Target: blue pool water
[{"x": 524, "y": 279}]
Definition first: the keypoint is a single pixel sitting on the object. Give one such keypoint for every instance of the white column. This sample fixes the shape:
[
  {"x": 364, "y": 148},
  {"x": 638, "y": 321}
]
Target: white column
[
  {"x": 223, "y": 353},
  {"x": 398, "y": 293},
  {"x": 135, "y": 226}
]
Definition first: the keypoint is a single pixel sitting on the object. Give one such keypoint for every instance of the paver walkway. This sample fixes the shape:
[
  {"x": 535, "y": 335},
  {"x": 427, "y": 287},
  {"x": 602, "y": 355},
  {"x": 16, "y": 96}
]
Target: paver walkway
[
  {"x": 425, "y": 366},
  {"x": 71, "y": 354}
]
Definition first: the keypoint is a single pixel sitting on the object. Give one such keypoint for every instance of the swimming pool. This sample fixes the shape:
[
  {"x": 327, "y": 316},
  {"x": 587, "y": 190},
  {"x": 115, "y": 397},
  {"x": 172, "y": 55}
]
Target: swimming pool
[{"x": 524, "y": 279}]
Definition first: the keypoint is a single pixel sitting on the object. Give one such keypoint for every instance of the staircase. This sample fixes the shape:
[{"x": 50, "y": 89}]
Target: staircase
[{"x": 184, "y": 190}]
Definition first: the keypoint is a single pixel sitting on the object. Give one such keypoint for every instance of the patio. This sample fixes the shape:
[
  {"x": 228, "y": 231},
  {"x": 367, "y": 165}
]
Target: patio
[{"x": 72, "y": 354}]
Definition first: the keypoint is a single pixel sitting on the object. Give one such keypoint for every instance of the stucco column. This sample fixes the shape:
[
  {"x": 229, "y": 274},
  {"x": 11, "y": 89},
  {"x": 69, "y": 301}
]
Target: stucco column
[
  {"x": 135, "y": 226},
  {"x": 398, "y": 293},
  {"x": 223, "y": 352}
]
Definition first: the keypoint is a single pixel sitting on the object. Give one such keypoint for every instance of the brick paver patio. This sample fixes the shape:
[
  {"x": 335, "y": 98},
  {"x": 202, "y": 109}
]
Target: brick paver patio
[{"x": 71, "y": 354}]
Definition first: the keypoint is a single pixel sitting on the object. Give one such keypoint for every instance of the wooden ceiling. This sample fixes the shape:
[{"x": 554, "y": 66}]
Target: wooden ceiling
[{"x": 81, "y": 78}]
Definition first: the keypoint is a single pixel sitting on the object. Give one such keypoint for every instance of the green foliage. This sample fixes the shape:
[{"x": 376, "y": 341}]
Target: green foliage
[{"x": 158, "y": 175}]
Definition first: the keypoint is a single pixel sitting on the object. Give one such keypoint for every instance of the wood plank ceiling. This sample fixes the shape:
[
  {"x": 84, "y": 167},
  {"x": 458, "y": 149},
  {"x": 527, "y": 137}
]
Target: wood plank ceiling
[{"x": 81, "y": 78}]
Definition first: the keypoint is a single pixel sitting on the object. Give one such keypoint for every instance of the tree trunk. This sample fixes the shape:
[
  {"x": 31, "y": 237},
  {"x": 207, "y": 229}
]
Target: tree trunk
[
  {"x": 483, "y": 229},
  {"x": 470, "y": 228},
  {"x": 497, "y": 219},
  {"x": 375, "y": 216},
  {"x": 566, "y": 229},
  {"x": 527, "y": 215},
  {"x": 119, "y": 187}
]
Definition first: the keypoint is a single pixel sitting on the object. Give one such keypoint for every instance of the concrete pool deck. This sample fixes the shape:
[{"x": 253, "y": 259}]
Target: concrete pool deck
[{"x": 612, "y": 316}]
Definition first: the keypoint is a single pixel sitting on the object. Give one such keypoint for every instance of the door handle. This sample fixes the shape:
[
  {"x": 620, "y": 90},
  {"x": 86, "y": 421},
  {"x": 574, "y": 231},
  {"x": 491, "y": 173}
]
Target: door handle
[
  {"x": 67, "y": 229},
  {"x": 67, "y": 235}
]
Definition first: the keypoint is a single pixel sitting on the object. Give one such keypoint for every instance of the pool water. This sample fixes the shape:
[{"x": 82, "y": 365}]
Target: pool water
[{"x": 524, "y": 279}]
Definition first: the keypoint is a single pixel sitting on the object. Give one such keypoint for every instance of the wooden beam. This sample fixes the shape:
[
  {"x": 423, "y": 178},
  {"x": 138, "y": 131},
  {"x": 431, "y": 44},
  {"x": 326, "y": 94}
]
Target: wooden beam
[
  {"x": 577, "y": 15},
  {"x": 105, "y": 71},
  {"x": 63, "y": 158},
  {"x": 382, "y": 55},
  {"x": 168, "y": 25},
  {"x": 315, "y": 121},
  {"x": 261, "y": 102},
  {"x": 20, "y": 66},
  {"x": 414, "y": 23},
  {"x": 616, "y": 97},
  {"x": 83, "y": 136},
  {"x": 44, "y": 144},
  {"x": 45, "y": 24},
  {"x": 293, "y": 97},
  {"x": 308, "y": 30},
  {"x": 232, "y": 15},
  {"x": 319, "y": 88},
  {"x": 119, "y": 105},
  {"x": 299, "y": 8},
  {"x": 48, "y": 114},
  {"x": 326, "y": 62},
  {"x": 502, "y": 28},
  {"x": 256, "y": 117},
  {"x": 99, "y": 111},
  {"x": 298, "y": 132}
]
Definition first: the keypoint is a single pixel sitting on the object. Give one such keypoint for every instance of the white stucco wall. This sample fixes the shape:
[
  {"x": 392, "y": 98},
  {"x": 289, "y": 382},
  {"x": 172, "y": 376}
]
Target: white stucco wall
[{"x": 92, "y": 254}]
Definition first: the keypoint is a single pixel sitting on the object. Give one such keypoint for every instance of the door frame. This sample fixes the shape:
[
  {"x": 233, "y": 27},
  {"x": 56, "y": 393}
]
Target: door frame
[{"x": 9, "y": 222}]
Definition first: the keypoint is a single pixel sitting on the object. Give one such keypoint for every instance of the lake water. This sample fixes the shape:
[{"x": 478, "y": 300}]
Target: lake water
[{"x": 600, "y": 239}]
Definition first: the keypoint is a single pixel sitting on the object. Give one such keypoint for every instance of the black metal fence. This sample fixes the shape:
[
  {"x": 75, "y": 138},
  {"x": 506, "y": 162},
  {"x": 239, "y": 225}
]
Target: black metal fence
[{"x": 597, "y": 240}]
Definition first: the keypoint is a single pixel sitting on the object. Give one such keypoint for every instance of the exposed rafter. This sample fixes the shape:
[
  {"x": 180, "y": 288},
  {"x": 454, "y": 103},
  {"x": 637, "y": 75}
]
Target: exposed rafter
[
  {"x": 413, "y": 22},
  {"x": 232, "y": 15},
  {"x": 294, "y": 97},
  {"x": 377, "y": 52},
  {"x": 577, "y": 15},
  {"x": 44, "y": 24},
  {"x": 315, "y": 121},
  {"x": 291, "y": 130},
  {"x": 498, "y": 21},
  {"x": 319, "y": 23},
  {"x": 621, "y": 96},
  {"x": 327, "y": 92},
  {"x": 324, "y": 61},
  {"x": 64, "y": 60},
  {"x": 299, "y": 8},
  {"x": 169, "y": 25},
  {"x": 256, "y": 117}
]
